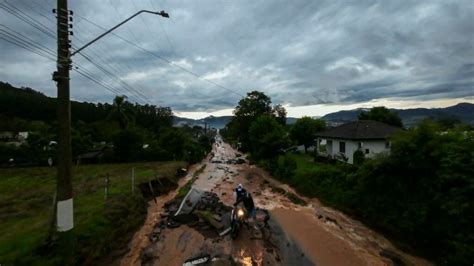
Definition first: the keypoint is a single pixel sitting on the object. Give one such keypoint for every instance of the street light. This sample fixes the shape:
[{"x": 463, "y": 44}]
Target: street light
[
  {"x": 160, "y": 13},
  {"x": 64, "y": 207}
]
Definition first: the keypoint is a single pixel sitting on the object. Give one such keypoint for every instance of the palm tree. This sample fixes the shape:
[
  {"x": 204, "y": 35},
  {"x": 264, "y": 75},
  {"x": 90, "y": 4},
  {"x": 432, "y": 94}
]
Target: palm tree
[{"x": 122, "y": 112}]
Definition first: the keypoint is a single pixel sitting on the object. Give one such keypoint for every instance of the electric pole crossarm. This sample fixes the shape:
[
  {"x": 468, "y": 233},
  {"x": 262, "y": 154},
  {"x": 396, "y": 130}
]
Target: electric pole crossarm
[{"x": 161, "y": 13}]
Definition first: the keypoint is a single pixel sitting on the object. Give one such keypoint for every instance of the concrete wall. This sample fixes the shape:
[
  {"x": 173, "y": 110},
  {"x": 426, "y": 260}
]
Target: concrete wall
[{"x": 369, "y": 147}]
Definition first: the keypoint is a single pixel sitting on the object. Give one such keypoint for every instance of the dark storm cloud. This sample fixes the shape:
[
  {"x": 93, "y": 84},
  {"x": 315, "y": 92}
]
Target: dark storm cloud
[{"x": 298, "y": 52}]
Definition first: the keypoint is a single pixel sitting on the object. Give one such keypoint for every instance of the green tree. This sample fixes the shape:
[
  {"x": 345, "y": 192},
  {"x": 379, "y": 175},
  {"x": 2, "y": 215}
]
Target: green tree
[
  {"x": 122, "y": 112},
  {"x": 382, "y": 114},
  {"x": 305, "y": 129},
  {"x": 267, "y": 137},
  {"x": 249, "y": 108},
  {"x": 280, "y": 113}
]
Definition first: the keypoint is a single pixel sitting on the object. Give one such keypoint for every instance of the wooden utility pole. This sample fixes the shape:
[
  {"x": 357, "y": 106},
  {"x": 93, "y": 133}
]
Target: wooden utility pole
[{"x": 64, "y": 212}]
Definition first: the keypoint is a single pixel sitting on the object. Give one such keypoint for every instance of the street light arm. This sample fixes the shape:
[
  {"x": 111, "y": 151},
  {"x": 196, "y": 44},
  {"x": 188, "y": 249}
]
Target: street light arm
[{"x": 161, "y": 13}]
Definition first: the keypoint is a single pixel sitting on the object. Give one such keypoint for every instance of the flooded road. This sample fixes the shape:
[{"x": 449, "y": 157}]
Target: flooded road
[{"x": 309, "y": 234}]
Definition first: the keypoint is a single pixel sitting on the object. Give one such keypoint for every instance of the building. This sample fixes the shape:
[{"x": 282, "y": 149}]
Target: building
[{"x": 371, "y": 137}]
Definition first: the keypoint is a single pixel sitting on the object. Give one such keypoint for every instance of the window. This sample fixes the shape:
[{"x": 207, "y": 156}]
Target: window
[
  {"x": 367, "y": 151},
  {"x": 342, "y": 147},
  {"x": 387, "y": 144},
  {"x": 360, "y": 145}
]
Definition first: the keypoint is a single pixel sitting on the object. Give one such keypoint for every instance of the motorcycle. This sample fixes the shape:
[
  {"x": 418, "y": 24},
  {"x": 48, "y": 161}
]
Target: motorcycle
[{"x": 238, "y": 219}]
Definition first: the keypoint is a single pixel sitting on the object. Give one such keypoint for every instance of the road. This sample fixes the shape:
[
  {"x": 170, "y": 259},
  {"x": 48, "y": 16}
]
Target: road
[{"x": 312, "y": 234}]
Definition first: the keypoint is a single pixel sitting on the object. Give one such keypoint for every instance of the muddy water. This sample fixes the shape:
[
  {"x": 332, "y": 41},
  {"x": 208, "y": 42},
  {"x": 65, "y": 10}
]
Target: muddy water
[{"x": 303, "y": 235}]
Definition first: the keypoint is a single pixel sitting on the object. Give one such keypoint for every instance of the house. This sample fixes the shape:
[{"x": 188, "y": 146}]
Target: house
[{"x": 371, "y": 137}]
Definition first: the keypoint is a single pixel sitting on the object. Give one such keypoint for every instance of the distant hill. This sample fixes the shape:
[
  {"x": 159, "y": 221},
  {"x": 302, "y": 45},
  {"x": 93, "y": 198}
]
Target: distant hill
[
  {"x": 211, "y": 121},
  {"x": 214, "y": 121},
  {"x": 462, "y": 111}
]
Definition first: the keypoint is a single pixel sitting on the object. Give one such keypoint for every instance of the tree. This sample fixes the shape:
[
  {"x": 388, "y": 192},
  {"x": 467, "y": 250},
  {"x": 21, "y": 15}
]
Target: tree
[
  {"x": 382, "y": 114},
  {"x": 267, "y": 137},
  {"x": 251, "y": 107},
  {"x": 280, "y": 114},
  {"x": 122, "y": 112},
  {"x": 247, "y": 111},
  {"x": 305, "y": 129}
]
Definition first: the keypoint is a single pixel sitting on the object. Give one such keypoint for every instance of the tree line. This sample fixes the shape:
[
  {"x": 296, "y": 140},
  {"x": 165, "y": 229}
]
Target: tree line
[
  {"x": 124, "y": 131},
  {"x": 421, "y": 194}
]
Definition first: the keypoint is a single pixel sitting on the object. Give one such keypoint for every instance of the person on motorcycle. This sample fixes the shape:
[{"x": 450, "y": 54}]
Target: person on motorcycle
[
  {"x": 239, "y": 192},
  {"x": 248, "y": 204}
]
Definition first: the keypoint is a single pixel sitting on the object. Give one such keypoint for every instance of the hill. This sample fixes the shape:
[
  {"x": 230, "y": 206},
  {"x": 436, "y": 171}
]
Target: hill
[{"x": 462, "y": 111}]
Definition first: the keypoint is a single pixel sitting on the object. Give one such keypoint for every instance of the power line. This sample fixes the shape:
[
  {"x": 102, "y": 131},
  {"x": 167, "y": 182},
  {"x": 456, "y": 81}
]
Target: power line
[
  {"x": 44, "y": 29},
  {"x": 25, "y": 40},
  {"x": 163, "y": 58},
  {"x": 111, "y": 75},
  {"x": 25, "y": 47},
  {"x": 27, "y": 19}
]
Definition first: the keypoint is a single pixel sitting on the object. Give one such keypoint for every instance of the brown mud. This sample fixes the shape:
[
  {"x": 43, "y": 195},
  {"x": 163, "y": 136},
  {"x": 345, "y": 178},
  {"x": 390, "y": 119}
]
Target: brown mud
[{"x": 297, "y": 234}]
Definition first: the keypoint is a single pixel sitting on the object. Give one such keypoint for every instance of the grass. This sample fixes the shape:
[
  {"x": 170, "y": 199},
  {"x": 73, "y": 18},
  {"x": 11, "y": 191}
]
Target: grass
[
  {"x": 187, "y": 187},
  {"x": 26, "y": 208},
  {"x": 313, "y": 179}
]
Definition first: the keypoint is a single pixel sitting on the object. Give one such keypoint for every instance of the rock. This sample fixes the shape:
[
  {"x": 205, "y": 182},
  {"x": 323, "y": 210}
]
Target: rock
[
  {"x": 223, "y": 193},
  {"x": 172, "y": 224},
  {"x": 394, "y": 257},
  {"x": 257, "y": 234},
  {"x": 157, "y": 230},
  {"x": 222, "y": 262},
  {"x": 332, "y": 221},
  {"x": 217, "y": 217},
  {"x": 216, "y": 224},
  {"x": 147, "y": 254}
]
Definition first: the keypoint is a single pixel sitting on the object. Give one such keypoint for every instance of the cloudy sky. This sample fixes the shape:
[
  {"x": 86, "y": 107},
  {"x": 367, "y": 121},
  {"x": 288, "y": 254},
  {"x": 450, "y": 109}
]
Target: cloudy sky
[{"x": 314, "y": 57}]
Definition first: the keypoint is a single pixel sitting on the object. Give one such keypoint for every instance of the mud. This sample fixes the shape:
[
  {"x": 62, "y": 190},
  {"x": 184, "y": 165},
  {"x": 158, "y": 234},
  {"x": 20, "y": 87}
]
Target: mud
[{"x": 307, "y": 233}]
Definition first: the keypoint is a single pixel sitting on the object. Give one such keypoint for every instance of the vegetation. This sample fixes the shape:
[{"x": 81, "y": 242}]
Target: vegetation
[
  {"x": 187, "y": 187},
  {"x": 26, "y": 200},
  {"x": 305, "y": 129},
  {"x": 421, "y": 194},
  {"x": 267, "y": 137},
  {"x": 124, "y": 131},
  {"x": 249, "y": 109},
  {"x": 382, "y": 114}
]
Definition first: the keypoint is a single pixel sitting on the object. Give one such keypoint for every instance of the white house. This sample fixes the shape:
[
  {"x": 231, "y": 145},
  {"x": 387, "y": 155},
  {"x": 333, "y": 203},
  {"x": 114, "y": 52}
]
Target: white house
[{"x": 371, "y": 137}]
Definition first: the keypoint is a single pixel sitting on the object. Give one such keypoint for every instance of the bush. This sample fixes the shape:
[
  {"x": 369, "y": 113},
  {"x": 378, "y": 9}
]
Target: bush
[
  {"x": 127, "y": 145},
  {"x": 359, "y": 157}
]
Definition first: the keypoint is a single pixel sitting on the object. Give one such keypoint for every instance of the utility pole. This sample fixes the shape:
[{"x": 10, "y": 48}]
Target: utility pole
[
  {"x": 64, "y": 196},
  {"x": 65, "y": 212}
]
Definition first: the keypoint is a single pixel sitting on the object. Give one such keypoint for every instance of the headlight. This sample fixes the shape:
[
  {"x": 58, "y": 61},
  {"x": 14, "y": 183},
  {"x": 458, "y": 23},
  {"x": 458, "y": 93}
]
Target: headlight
[{"x": 240, "y": 213}]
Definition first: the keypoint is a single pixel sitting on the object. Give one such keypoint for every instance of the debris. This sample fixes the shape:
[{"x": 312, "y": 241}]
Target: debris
[
  {"x": 217, "y": 217},
  {"x": 172, "y": 224},
  {"x": 394, "y": 257},
  {"x": 216, "y": 224},
  {"x": 199, "y": 260},
  {"x": 257, "y": 234},
  {"x": 147, "y": 254},
  {"x": 223, "y": 233}
]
